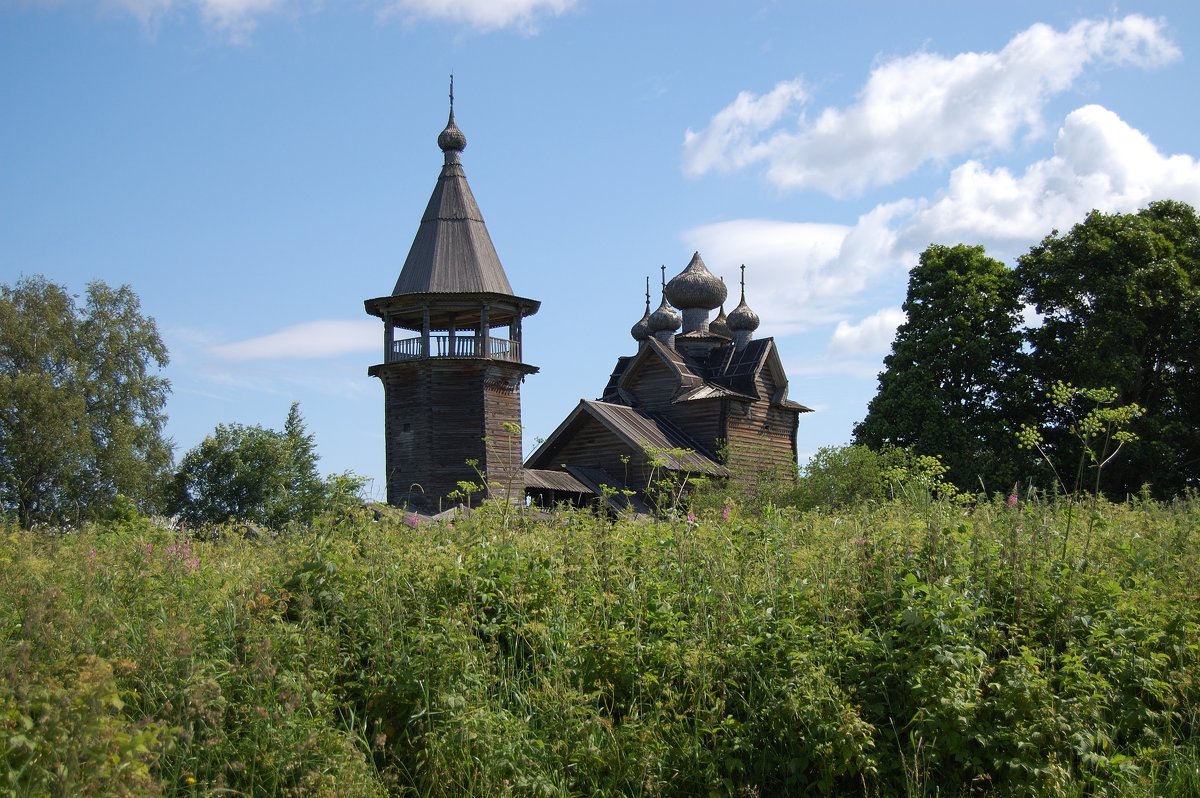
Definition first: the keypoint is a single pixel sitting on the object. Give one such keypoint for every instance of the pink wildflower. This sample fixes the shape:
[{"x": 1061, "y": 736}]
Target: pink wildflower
[
  {"x": 412, "y": 521},
  {"x": 725, "y": 513},
  {"x": 691, "y": 518},
  {"x": 1012, "y": 500}
]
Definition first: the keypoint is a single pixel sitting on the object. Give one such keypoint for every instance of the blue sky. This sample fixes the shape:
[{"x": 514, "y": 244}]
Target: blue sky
[{"x": 254, "y": 169}]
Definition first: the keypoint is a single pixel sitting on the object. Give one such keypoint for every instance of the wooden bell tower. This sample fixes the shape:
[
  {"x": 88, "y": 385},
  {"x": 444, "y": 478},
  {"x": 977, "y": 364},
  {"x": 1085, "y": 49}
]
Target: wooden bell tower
[{"x": 452, "y": 386}]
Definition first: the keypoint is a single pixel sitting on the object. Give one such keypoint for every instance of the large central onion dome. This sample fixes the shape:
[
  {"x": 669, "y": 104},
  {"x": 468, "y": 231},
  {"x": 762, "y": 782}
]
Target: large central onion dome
[{"x": 695, "y": 287}]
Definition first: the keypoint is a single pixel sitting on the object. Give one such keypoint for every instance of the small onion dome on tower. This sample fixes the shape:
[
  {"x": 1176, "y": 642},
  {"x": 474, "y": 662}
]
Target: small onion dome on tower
[
  {"x": 641, "y": 330},
  {"x": 743, "y": 321},
  {"x": 664, "y": 321},
  {"x": 695, "y": 291},
  {"x": 452, "y": 141}
]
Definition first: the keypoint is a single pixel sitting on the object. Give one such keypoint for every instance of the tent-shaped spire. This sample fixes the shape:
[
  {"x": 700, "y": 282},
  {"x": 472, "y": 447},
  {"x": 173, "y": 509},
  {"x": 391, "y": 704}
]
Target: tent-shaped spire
[{"x": 452, "y": 251}]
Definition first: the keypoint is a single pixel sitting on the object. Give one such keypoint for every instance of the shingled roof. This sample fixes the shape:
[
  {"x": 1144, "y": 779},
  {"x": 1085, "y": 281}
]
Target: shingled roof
[
  {"x": 641, "y": 432},
  {"x": 452, "y": 251}
]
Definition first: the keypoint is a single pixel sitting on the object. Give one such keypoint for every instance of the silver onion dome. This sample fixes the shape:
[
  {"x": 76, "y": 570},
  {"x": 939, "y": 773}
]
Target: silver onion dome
[
  {"x": 696, "y": 287},
  {"x": 743, "y": 319}
]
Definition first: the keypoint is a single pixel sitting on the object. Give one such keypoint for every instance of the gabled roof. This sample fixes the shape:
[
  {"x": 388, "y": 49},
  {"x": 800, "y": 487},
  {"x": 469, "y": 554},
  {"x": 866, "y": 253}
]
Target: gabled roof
[
  {"x": 738, "y": 370},
  {"x": 675, "y": 362},
  {"x": 727, "y": 373},
  {"x": 452, "y": 251},
  {"x": 641, "y": 432},
  {"x": 711, "y": 391}
]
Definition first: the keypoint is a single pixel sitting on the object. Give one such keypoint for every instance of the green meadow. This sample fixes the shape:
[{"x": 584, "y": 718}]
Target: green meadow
[{"x": 912, "y": 647}]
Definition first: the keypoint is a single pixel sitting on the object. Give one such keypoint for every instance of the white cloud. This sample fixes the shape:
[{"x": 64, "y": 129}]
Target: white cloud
[
  {"x": 235, "y": 20},
  {"x": 788, "y": 266},
  {"x": 919, "y": 108},
  {"x": 313, "y": 339},
  {"x": 871, "y": 336},
  {"x": 798, "y": 274},
  {"x": 1099, "y": 162},
  {"x": 484, "y": 15},
  {"x": 728, "y": 142},
  {"x": 803, "y": 275}
]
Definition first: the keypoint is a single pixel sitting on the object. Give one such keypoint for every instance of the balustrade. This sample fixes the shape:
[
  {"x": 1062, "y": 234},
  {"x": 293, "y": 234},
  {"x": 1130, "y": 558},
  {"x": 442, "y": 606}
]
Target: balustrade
[{"x": 458, "y": 346}]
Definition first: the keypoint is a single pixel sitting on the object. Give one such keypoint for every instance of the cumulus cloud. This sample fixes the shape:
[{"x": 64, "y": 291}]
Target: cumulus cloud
[
  {"x": 729, "y": 142},
  {"x": 871, "y": 336},
  {"x": 313, "y": 339},
  {"x": 802, "y": 275},
  {"x": 1099, "y": 162},
  {"x": 484, "y": 15},
  {"x": 917, "y": 109}
]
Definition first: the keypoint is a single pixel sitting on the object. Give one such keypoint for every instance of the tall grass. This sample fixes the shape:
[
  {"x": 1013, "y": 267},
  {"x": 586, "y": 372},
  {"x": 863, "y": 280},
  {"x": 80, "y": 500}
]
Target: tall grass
[{"x": 900, "y": 648}]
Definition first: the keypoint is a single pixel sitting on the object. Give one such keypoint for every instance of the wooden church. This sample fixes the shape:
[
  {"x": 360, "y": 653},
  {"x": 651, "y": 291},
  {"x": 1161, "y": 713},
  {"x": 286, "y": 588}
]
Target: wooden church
[{"x": 698, "y": 398}]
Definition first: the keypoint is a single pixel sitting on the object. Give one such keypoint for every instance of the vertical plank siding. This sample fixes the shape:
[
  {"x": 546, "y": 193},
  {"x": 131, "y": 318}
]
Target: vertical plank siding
[{"x": 441, "y": 414}]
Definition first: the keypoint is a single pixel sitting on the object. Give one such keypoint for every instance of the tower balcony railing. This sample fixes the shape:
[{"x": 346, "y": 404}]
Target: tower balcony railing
[{"x": 458, "y": 346}]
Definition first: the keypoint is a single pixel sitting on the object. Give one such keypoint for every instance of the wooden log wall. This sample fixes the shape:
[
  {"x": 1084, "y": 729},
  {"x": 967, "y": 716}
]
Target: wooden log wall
[{"x": 437, "y": 415}]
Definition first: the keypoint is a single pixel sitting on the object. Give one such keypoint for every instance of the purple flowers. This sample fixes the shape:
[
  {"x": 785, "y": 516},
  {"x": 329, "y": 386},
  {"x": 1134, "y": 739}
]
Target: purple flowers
[{"x": 183, "y": 553}]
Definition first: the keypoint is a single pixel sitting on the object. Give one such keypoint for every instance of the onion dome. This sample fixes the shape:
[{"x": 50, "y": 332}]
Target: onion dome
[
  {"x": 666, "y": 318},
  {"x": 696, "y": 287},
  {"x": 452, "y": 140},
  {"x": 720, "y": 325},
  {"x": 641, "y": 330},
  {"x": 743, "y": 319}
]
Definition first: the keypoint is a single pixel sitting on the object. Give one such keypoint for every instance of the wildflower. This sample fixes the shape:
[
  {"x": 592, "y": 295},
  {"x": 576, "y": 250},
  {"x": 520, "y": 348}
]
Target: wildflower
[
  {"x": 190, "y": 779},
  {"x": 726, "y": 512},
  {"x": 412, "y": 521},
  {"x": 691, "y": 517},
  {"x": 1012, "y": 500}
]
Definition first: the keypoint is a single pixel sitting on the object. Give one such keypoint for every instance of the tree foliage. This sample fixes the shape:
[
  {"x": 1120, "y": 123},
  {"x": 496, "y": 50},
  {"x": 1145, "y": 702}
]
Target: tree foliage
[
  {"x": 1119, "y": 297},
  {"x": 250, "y": 473},
  {"x": 951, "y": 383},
  {"x": 81, "y": 402}
]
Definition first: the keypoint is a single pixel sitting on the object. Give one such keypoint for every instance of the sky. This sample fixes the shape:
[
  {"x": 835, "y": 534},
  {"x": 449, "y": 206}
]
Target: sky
[{"x": 255, "y": 169}]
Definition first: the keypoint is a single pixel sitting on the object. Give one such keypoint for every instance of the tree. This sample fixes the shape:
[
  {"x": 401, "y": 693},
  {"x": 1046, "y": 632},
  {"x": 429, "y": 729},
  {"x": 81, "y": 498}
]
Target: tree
[
  {"x": 81, "y": 402},
  {"x": 1119, "y": 298},
  {"x": 250, "y": 473},
  {"x": 949, "y": 387}
]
